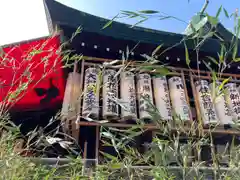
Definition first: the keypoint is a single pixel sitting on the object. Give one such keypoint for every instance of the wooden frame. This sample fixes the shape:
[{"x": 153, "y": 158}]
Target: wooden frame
[{"x": 183, "y": 73}]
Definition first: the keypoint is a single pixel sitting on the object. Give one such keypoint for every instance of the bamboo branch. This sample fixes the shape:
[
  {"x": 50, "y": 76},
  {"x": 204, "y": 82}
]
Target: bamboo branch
[{"x": 204, "y": 6}]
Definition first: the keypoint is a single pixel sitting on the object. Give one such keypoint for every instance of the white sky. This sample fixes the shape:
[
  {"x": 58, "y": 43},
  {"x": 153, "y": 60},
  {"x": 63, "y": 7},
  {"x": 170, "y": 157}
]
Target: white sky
[{"x": 22, "y": 20}]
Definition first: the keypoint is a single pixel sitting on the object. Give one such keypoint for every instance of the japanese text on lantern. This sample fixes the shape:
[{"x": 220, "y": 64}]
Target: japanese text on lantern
[
  {"x": 221, "y": 107},
  {"x": 91, "y": 92},
  {"x": 145, "y": 96},
  {"x": 178, "y": 98},
  {"x": 167, "y": 100},
  {"x": 110, "y": 93},
  {"x": 179, "y": 86},
  {"x": 128, "y": 95},
  {"x": 206, "y": 102},
  {"x": 233, "y": 97},
  {"x": 162, "y": 98}
]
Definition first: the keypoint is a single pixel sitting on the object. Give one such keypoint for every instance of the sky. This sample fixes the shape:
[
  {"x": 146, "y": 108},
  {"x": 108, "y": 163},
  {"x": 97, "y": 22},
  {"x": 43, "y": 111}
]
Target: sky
[{"x": 25, "y": 19}]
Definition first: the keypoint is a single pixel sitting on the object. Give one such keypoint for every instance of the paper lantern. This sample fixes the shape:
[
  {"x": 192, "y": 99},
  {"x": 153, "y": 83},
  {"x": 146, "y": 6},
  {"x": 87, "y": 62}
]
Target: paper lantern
[
  {"x": 233, "y": 100},
  {"x": 162, "y": 99},
  {"x": 128, "y": 96},
  {"x": 71, "y": 104},
  {"x": 144, "y": 95},
  {"x": 91, "y": 93},
  {"x": 220, "y": 104},
  {"x": 178, "y": 98},
  {"x": 207, "y": 109},
  {"x": 110, "y": 94}
]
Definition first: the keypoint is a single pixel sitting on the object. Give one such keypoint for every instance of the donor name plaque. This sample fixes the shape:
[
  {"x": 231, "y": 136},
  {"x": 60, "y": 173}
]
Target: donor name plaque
[
  {"x": 162, "y": 99},
  {"x": 180, "y": 106},
  {"x": 91, "y": 93},
  {"x": 144, "y": 94},
  {"x": 223, "y": 112},
  {"x": 233, "y": 100},
  {"x": 110, "y": 94},
  {"x": 128, "y": 95},
  {"x": 207, "y": 109}
]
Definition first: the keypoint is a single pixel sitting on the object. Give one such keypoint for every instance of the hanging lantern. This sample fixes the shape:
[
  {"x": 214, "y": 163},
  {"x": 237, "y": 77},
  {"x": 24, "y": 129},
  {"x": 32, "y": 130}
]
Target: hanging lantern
[
  {"x": 179, "y": 102},
  {"x": 71, "y": 104},
  {"x": 233, "y": 100},
  {"x": 207, "y": 110},
  {"x": 110, "y": 94},
  {"x": 91, "y": 93},
  {"x": 128, "y": 96},
  {"x": 145, "y": 96},
  {"x": 220, "y": 104},
  {"x": 162, "y": 99}
]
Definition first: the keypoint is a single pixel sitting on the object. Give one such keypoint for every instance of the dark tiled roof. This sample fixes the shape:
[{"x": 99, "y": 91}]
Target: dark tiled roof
[{"x": 64, "y": 15}]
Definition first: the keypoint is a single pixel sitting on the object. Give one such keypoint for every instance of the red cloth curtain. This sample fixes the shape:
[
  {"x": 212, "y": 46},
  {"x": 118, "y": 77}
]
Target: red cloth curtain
[{"x": 31, "y": 76}]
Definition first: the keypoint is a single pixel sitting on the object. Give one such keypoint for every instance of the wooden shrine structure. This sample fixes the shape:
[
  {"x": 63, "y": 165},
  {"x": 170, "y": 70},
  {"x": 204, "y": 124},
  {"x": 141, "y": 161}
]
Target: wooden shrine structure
[{"x": 99, "y": 46}]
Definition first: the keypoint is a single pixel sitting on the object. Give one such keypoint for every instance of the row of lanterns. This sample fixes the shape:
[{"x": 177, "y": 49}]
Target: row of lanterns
[
  {"x": 131, "y": 94},
  {"x": 169, "y": 95}
]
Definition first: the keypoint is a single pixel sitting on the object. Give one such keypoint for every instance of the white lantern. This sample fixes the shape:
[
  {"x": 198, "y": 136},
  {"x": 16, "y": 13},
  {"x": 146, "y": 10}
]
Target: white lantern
[
  {"x": 207, "y": 110},
  {"x": 71, "y": 104},
  {"x": 144, "y": 94},
  {"x": 162, "y": 99},
  {"x": 71, "y": 101},
  {"x": 178, "y": 98},
  {"x": 110, "y": 94},
  {"x": 233, "y": 100},
  {"x": 128, "y": 95},
  {"x": 220, "y": 104},
  {"x": 91, "y": 93}
]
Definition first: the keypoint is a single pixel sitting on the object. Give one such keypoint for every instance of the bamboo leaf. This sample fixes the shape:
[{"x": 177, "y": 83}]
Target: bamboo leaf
[
  {"x": 219, "y": 11},
  {"x": 163, "y": 71},
  {"x": 157, "y": 49},
  {"x": 213, "y": 60},
  {"x": 213, "y": 20},
  {"x": 110, "y": 22},
  {"x": 113, "y": 158},
  {"x": 148, "y": 12},
  {"x": 223, "y": 83},
  {"x": 116, "y": 166},
  {"x": 111, "y": 63},
  {"x": 209, "y": 68},
  {"x": 139, "y": 22},
  {"x": 186, "y": 54},
  {"x": 236, "y": 60},
  {"x": 165, "y": 17},
  {"x": 130, "y": 13},
  {"x": 226, "y": 13},
  {"x": 223, "y": 50}
]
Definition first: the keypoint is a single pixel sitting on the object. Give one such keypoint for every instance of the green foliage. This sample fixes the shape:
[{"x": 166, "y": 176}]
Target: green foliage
[{"x": 168, "y": 143}]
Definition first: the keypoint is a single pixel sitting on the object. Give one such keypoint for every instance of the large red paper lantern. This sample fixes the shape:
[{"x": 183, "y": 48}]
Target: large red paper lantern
[{"x": 31, "y": 75}]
